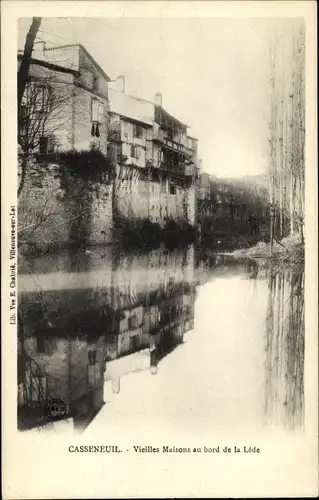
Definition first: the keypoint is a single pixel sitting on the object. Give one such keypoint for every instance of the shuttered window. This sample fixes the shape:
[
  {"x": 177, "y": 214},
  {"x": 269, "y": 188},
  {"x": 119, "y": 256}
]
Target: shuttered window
[
  {"x": 135, "y": 153},
  {"x": 97, "y": 111}
]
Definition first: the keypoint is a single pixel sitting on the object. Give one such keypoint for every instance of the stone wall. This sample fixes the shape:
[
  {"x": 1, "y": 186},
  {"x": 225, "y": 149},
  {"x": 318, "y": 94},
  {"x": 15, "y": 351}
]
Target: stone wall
[
  {"x": 137, "y": 198},
  {"x": 57, "y": 209}
]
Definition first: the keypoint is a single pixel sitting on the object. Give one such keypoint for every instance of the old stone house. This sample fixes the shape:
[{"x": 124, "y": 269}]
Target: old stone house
[
  {"x": 73, "y": 91},
  {"x": 64, "y": 120},
  {"x": 155, "y": 161}
]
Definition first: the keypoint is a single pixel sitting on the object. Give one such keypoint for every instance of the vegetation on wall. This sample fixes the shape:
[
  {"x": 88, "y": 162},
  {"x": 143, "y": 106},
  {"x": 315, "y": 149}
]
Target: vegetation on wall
[
  {"x": 235, "y": 213},
  {"x": 142, "y": 233},
  {"x": 56, "y": 203}
]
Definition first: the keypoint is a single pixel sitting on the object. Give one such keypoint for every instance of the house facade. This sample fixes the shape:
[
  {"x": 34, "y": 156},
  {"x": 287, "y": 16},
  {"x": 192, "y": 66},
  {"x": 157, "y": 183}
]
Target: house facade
[
  {"x": 68, "y": 110},
  {"x": 73, "y": 91},
  {"x": 155, "y": 170},
  {"x": 64, "y": 117}
]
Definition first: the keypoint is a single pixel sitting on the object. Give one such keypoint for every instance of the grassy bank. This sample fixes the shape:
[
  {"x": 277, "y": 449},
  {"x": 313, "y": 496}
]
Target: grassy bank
[{"x": 287, "y": 252}]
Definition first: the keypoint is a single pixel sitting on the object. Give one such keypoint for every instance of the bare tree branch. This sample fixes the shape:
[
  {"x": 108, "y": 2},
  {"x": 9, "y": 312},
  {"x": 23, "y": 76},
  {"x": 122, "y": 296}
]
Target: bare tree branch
[{"x": 23, "y": 73}]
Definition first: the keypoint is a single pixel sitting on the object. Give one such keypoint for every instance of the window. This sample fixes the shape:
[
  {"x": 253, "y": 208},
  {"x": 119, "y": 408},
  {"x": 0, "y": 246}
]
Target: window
[
  {"x": 172, "y": 189},
  {"x": 92, "y": 357},
  {"x": 138, "y": 131},
  {"x": 135, "y": 342},
  {"x": 96, "y": 83},
  {"x": 101, "y": 113},
  {"x": 93, "y": 374},
  {"x": 24, "y": 120},
  {"x": 134, "y": 151},
  {"x": 97, "y": 111},
  {"x": 133, "y": 322},
  {"x": 40, "y": 344},
  {"x": 40, "y": 97},
  {"x": 43, "y": 145},
  {"x": 87, "y": 78}
]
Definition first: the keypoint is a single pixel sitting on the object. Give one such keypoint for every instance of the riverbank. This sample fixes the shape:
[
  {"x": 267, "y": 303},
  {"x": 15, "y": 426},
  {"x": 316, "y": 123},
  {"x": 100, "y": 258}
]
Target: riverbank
[{"x": 288, "y": 252}]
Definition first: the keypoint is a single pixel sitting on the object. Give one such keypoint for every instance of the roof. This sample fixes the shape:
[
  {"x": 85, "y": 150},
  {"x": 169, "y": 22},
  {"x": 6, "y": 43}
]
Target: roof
[
  {"x": 131, "y": 107},
  {"x": 142, "y": 100},
  {"x": 86, "y": 53},
  {"x": 171, "y": 116},
  {"x": 54, "y": 67},
  {"x": 125, "y": 117}
]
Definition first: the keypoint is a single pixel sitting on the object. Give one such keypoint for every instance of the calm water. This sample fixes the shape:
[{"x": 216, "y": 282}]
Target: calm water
[{"x": 211, "y": 343}]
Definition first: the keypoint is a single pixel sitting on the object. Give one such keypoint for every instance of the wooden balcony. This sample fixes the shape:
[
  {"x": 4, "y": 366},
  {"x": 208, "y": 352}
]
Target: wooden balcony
[
  {"x": 160, "y": 136},
  {"x": 175, "y": 146},
  {"x": 179, "y": 168}
]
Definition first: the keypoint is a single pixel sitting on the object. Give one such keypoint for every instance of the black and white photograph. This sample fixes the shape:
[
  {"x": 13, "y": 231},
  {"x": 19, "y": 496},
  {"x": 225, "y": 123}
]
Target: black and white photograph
[{"x": 157, "y": 246}]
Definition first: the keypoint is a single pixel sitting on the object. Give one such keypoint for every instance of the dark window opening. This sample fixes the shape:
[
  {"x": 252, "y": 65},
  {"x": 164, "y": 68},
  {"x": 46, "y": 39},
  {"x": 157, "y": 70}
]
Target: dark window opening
[
  {"x": 92, "y": 357},
  {"x": 134, "y": 152},
  {"x": 138, "y": 131},
  {"x": 135, "y": 342},
  {"x": 172, "y": 189},
  {"x": 40, "y": 344},
  {"x": 133, "y": 322},
  {"x": 43, "y": 145},
  {"x": 96, "y": 83}
]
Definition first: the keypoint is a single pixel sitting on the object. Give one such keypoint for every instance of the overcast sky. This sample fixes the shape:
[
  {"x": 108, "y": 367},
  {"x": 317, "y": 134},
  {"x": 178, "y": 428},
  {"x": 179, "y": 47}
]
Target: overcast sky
[{"x": 213, "y": 75}]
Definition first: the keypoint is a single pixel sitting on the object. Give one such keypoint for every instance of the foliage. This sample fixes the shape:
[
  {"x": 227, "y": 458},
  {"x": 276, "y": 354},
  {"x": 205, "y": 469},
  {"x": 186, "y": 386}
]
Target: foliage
[
  {"x": 143, "y": 233},
  {"x": 57, "y": 200},
  {"x": 235, "y": 213},
  {"x": 287, "y": 252}
]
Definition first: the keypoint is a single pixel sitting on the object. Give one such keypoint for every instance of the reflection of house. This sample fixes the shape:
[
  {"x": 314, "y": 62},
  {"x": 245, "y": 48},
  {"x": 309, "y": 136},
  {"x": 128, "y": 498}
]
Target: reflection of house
[
  {"x": 67, "y": 369},
  {"x": 162, "y": 305},
  {"x": 155, "y": 164},
  {"x": 164, "y": 321},
  {"x": 78, "y": 329},
  {"x": 62, "y": 347},
  {"x": 130, "y": 336}
]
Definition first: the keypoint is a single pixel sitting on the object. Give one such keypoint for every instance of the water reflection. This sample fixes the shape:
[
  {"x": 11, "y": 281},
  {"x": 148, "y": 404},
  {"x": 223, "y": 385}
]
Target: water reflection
[
  {"x": 85, "y": 319},
  {"x": 285, "y": 343},
  {"x": 88, "y": 319}
]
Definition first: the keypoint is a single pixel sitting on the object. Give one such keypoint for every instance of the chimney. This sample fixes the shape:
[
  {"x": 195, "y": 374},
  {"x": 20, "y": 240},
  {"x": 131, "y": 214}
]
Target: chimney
[
  {"x": 158, "y": 99},
  {"x": 121, "y": 84},
  {"x": 43, "y": 47}
]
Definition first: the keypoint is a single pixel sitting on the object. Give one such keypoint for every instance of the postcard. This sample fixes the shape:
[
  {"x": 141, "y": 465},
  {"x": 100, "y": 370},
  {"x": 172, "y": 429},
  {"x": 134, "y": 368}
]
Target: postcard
[{"x": 159, "y": 256}]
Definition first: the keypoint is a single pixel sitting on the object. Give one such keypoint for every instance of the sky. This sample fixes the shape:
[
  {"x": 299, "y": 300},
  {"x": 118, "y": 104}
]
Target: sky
[{"x": 213, "y": 75}]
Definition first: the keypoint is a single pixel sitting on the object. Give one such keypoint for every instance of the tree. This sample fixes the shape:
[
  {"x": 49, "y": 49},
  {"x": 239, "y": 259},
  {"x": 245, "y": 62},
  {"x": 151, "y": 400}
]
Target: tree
[
  {"x": 287, "y": 131},
  {"x": 42, "y": 115},
  {"x": 23, "y": 73}
]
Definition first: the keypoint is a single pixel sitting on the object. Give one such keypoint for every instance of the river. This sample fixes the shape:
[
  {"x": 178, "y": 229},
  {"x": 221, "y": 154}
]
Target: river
[{"x": 194, "y": 341}]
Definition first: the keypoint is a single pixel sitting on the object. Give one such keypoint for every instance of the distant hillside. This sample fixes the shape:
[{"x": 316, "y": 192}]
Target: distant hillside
[{"x": 247, "y": 180}]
